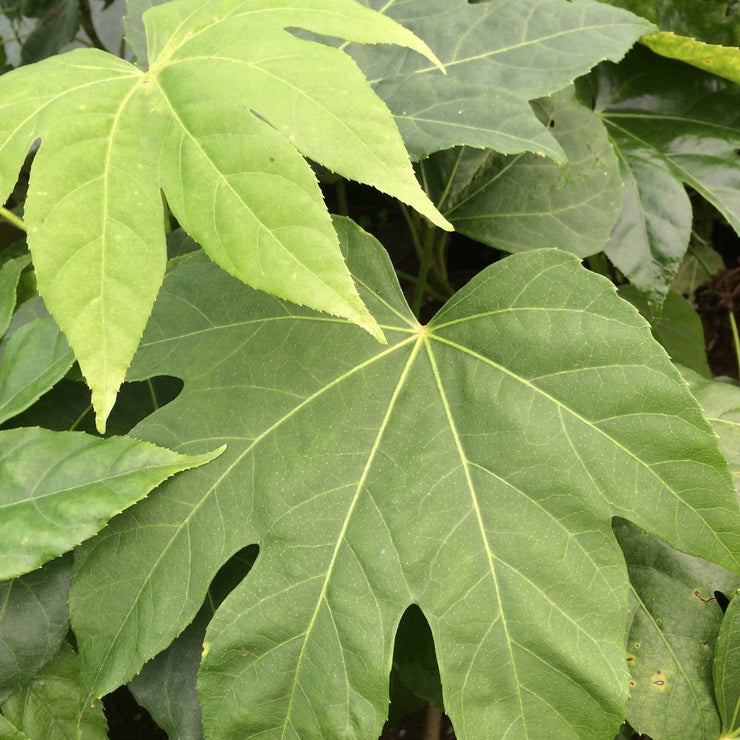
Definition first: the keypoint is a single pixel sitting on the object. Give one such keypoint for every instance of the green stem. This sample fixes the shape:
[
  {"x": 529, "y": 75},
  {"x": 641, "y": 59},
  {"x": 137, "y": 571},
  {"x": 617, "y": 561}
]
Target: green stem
[
  {"x": 10, "y": 216},
  {"x": 152, "y": 393},
  {"x": 426, "y": 261},
  {"x": 413, "y": 228},
  {"x": 735, "y": 338},
  {"x": 698, "y": 257},
  {"x": 342, "y": 203},
  {"x": 79, "y": 419},
  {"x": 88, "y": 26},
  {"x": 430, "y": 289}
]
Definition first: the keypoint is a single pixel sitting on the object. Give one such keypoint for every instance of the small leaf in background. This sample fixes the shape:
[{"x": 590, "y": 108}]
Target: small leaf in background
[
  {"x": 700, "y": 263},
  {"x": 49, "y": 707},
  {"x": 676, "y": 325},
  {"x": 10, "y": 274},
  {"x": 523, "y": 201},
  {"x": 59, "y": 488},
  {"x": 673, "y": 625},
  {"x": 112, "y": 135},
  {"x": 547, "y": 409},
  {"x": 33, "y": 360},
  {"x": 726, "y": 674},
  {"x": 671, "y": 125},
  {"x": 498, "y": 56},
  {"x": 34, "y": 620},
  {"x": 58, "y": 22}
]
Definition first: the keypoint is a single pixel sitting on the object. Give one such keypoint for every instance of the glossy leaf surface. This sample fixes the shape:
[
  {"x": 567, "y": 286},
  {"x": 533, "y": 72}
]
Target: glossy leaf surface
[
  {"x": 59, "y": 488},
  {"x": 532, "y": 440},
  {"x": 523, "y": 201},
  {"x": 498, "y": 55},
  {"x": 228, "y": 157},
  {"x": 34, "y": 619},
  {"x": 49, "y": 707},
  {"x": 671, "y": 126}
]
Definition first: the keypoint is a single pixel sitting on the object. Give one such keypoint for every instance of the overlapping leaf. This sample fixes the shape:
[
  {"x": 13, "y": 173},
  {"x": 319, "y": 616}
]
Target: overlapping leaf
[
  {"x": 34, "y": 620},
  {"x": 218, "y": 121},
  {"x": 670, "y": 125},
  {"x": 726, "y": 675},
  {"x": 523, "y": 201},
  {"x": 49, "y": 708},
  {"x": 471, "y": 467},
  {"x": 499, "y": 55}
]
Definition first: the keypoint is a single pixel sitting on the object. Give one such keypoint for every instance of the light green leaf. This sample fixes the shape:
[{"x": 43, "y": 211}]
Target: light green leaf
[
  {"x": 8, "y": 732},
  {"x": 133, "y": 28},
  {"x": 726, "y": 675},
  {"x": 34, "y": 620},
  {"x": 59, "y": 488},
  {"x": 676, "y": 325},
  {"x": 671, "y": 126},
  {"x": 228, "y": 156},
  {"x": 721, "y": 405},
  {"x": 10, "y": 274},
  {"x": 49, "y": 707},
  {"x": 673, "y": 626},
  {"x": 719, "y": 60},
  {"x": 522, "y": 202},
  {"x": 471, "y": 467},
  {"x": 33, "y": 360},
  {"x": 499, "y": 55}
]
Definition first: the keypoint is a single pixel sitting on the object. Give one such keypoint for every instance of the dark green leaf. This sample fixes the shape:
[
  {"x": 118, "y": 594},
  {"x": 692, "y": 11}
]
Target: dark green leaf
[
  {"x": 49, "y": 707},
  {"x": 521, "y": 202},
  {"x": 700, "y": 263},
  {"x": 671, "y": 125},
  {"x": 59, "y": 488},
  {"x": 57, "y": 26},
  {"x": 498, "y": 55},
  {"x": 472, "y": 467},
  {"x": 34, "y": 619},
  {"x": 676, "y": 325}
]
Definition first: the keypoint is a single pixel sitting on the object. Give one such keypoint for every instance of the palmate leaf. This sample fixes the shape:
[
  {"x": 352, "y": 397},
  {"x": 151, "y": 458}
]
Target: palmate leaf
[
  {"x": 471, "y": 467},
  {"x": 499, "y": 55},
  {"x": 671, "y": 125},
  {"x": 226, "y": 155},
  {"x": 519, "y": 202}
]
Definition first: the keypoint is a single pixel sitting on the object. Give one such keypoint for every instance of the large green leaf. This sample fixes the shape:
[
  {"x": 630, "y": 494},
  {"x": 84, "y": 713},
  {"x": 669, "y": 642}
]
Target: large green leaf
[
  {"x": 726, "y": 675},
  {"x": 471, "y": 467},
  {"x": 499, "y": 55},
  {"x": 34, "y": 619},
  {"x": 673, "y": 626},
  {"x": 49, "y": 708},
  {"x": 59, "y": 488},
  {"x": 523, "y": 201},
  {"x": 228, "y": 156},
  {"x": 670, "y": 125}
]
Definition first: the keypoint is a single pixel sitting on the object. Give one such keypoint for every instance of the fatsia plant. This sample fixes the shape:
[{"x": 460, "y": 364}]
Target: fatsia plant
[
  {"x": 493, "y": 520},
  {"x": 113, "y": 134}
]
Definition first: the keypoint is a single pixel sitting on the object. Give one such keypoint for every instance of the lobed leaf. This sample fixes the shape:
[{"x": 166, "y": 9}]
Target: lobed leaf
[
  {"x": 59, "y": 488},
  {"x": 524, "y": 201},
  {"x": 498, "y": 55},
  {"x": 546, "y": 409},
  {"x": 228, "y": 158}
]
